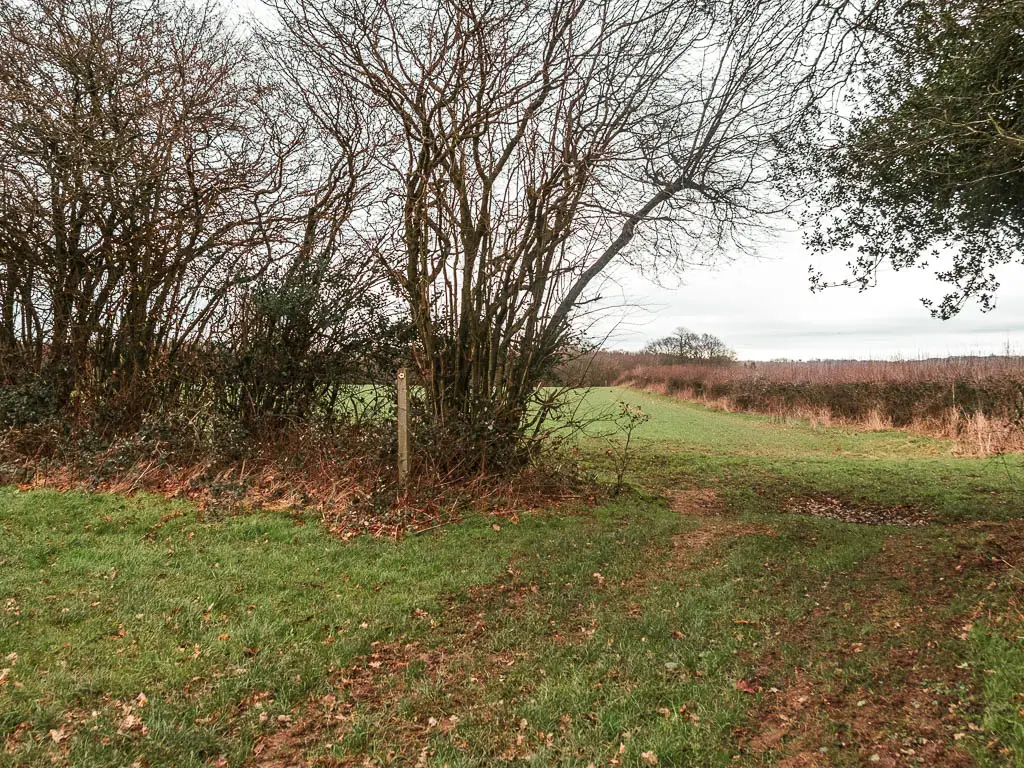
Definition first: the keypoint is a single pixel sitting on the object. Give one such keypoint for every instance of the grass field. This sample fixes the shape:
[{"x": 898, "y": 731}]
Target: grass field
[{"x": 710, "y": 616}]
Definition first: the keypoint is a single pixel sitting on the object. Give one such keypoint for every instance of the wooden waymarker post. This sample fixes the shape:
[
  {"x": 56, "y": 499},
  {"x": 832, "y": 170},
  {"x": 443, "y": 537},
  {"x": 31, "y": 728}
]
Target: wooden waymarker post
[{"x": 403, "y": 428}]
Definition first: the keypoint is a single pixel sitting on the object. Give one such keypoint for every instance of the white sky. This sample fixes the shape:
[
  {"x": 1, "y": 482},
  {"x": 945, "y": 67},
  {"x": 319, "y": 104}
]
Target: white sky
[{"x": 763, "y": 308}]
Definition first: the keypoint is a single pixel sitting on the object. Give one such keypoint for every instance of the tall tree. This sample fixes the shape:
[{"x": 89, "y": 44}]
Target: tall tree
[
  {"x": 527, "y": 145},
  {"x": 137, "y": 179},
  {"x": 930, "y": 167}
]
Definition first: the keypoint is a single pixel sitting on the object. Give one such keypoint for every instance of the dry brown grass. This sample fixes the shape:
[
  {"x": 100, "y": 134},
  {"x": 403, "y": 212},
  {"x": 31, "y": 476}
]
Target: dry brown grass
[{"x": 975, "y": 435}]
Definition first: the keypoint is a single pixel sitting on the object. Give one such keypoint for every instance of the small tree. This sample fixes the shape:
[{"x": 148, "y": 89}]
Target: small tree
[{"x": 627, "y": 420}]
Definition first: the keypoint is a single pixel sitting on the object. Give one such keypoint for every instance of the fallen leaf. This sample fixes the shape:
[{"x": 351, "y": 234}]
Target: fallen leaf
[
  {"x": 649, "y": 758},
  {"x": 133, "y": 722},
  {"x": 58, "y": 735},
  {"x": 747, "y": 686}
]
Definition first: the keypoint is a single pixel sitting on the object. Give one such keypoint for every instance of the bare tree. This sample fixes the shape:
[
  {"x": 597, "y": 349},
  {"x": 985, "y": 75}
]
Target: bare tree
[
  {"x": 139, "y": 181},
  {"x": 529, "y": 145}
]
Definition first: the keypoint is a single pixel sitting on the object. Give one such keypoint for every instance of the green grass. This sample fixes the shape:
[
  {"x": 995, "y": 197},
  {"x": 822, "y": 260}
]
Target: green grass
[
  {"x": 676, "y": 426},
  {"x": 570, "y": 638},
  {"x": 743, "y": 453}
]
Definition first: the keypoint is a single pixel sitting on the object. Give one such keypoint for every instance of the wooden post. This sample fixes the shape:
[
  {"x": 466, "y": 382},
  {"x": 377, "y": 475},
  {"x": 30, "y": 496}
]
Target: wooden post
[{"x": 403, "y": 428}]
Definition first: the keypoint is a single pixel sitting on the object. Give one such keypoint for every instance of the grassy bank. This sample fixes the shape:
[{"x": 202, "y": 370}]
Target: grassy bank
[{"x": 709, "y": 617}]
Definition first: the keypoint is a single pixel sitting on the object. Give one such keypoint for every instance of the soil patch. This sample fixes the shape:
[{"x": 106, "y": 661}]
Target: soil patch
[
  {"x": 705, "y": 504},
  {"x": 694, "y": 501},
  {"x": 699, "y": 538}
]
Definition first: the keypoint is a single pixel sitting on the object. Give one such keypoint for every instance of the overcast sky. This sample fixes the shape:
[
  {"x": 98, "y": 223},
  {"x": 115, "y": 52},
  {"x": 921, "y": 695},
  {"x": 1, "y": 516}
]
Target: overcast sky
[{"x": 763, "y": 308}]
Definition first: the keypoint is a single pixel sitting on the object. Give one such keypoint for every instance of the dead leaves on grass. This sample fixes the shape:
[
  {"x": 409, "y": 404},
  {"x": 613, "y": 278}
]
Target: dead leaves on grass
[
  {"x": 131, "y": 721},
  {"x": 919, "y": 703},
  {"x": 748, "y": 686},
  {"x": 866, "y": 514},
  {"x": 807, "y": 723},
  {"x": 368, "y": 685}
]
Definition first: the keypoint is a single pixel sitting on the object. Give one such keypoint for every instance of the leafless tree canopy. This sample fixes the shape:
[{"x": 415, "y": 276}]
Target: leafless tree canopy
[
  {"x": 160, "y": 171},
  {"x": 525, "y": 146},
  {"x": 684, "y": 345},
  {"x": 135, "y": 176}
]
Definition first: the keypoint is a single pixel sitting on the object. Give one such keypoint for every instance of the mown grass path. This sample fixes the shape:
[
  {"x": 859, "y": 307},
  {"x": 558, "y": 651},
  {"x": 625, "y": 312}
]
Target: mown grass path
[{"x": 703, "y": 619}]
